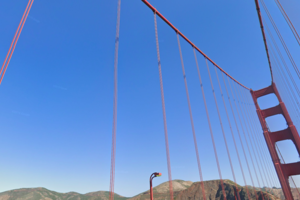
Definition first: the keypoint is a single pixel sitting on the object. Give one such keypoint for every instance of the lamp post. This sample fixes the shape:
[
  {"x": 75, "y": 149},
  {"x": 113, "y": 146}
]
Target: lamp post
[{"x": 155, "y": 174}]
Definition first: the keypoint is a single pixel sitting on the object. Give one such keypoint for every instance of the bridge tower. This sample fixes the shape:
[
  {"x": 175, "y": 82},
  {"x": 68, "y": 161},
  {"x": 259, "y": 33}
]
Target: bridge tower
[{"x": 284, "y": 171}]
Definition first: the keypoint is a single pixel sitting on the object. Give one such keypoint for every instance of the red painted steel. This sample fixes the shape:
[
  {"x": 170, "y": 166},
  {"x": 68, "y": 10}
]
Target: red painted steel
[
  {"x": 288, "y": 21},
  {"x": 282, "y": 60},
  {"x": 251, "y": 139},
  {"x": 164, "y": 111},
  {"x": 155, "y": 174},
  {"x": 191, "y": 114},
  {"x": 246, "y": 140},
  {"x": 281, "y": 39},
  {"x": 271, "y": 111},
  {"x": 212, "y": 136},
  {"x": 114, "y": 127},
  {"x": 236, "y": 149},
  {"x": 228, "y": 152},
  {"x": 257, "y": 146},
  {"x": 239, "y": 134},
  {"x": 283, "y": 170},
  {"x": 185, "y": 38},
  {"x": 263, "y": 92},
  {"x": 282, "y": 135},
  {"x": 264, "y": 35},
  {"x": 15, "y": 40},
  {"x": 203, "y": 95}
]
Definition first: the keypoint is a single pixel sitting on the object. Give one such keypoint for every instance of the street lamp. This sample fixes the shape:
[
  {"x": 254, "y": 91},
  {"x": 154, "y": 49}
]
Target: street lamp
[{"x": 155, "y": 174}]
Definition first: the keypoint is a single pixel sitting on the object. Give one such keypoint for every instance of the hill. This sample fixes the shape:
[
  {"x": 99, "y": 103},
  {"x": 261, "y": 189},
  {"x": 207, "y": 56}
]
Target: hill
[
  {"x": 45, "y": 194},
  {"x": 213, "y": 190},
  {"x": 187, "y": 190},
  {"x": 183, "y": 190}
]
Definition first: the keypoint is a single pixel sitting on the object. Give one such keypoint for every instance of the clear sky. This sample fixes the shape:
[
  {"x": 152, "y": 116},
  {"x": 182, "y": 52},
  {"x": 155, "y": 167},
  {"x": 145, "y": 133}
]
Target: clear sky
[{"x": 57, "y": 94}]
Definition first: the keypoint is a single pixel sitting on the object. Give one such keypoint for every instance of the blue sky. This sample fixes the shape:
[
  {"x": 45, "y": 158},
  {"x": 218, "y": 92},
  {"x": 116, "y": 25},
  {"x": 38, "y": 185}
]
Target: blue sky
[{"x": 57, "y": 94}]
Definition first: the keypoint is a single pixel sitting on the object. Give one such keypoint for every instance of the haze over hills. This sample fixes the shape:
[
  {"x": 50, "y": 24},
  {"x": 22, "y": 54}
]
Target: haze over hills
[{"x": 185, "y": 190}]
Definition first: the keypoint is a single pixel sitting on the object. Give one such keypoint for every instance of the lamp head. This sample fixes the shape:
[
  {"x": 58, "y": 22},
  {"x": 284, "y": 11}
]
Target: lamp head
[{"x": 156, "y": 174}]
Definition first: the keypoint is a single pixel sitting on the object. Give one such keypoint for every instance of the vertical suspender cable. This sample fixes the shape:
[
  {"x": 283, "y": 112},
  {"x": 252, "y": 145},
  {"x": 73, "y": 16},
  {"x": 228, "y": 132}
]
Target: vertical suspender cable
[
  {"x": 288, "y": 21},
  {"x": 236, "y": 149},
  {"x": 241, "y": 137},
  {"x": 250, "y": 135},
  {"x": 263, "y": 164},
  {"x": 284, "y": 89},
  {"x": 265, "y": 153},
  {"x": 191, "y": 116},
  {"x": 287, "y": 69},
  {"x": 273, "y": 152},
  {"x": 15, "y": 40},
  {"x": 214, "y": 145},
  {"x": 287, "y": 88},
  {"x": 259, "y": 139},
  {"x": 164, "y": 110},
  {"x": 283, "y": 92},
  {"x": 208, "y": 119},
  {"x": 233, "y": 174},
  {"x": 188, "y": 41},
  {"x": 281, "y": 39},
  {"x": 283, "y": 60},
  {"x": 114, "y": 127},
  {"x": 221, "y": 124},
  {"x": 247, "y": 140},
  {"x": 204, "y": 99},
  {"x": 292, "y": 180}
]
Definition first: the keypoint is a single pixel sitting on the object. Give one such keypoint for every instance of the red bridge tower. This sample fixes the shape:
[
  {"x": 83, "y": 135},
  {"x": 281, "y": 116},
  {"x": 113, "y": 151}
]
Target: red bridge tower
[{"x": 284, "y": 171}]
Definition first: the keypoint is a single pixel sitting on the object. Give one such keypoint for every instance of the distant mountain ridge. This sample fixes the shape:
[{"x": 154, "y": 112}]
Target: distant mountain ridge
[
  {"x": 45, "y": 194},
  {"x": 183, "y": 190}
]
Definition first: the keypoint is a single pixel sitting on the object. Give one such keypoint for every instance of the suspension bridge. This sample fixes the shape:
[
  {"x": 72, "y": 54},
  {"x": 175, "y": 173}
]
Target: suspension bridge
[{"x": 243, "y": 122}]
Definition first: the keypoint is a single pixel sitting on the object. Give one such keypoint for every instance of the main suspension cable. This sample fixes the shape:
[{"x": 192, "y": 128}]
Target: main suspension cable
[
  {"x": 264, "y": 36},
  {"x": 15, "y": 40},
  {"x": 192, "y": 44}
]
